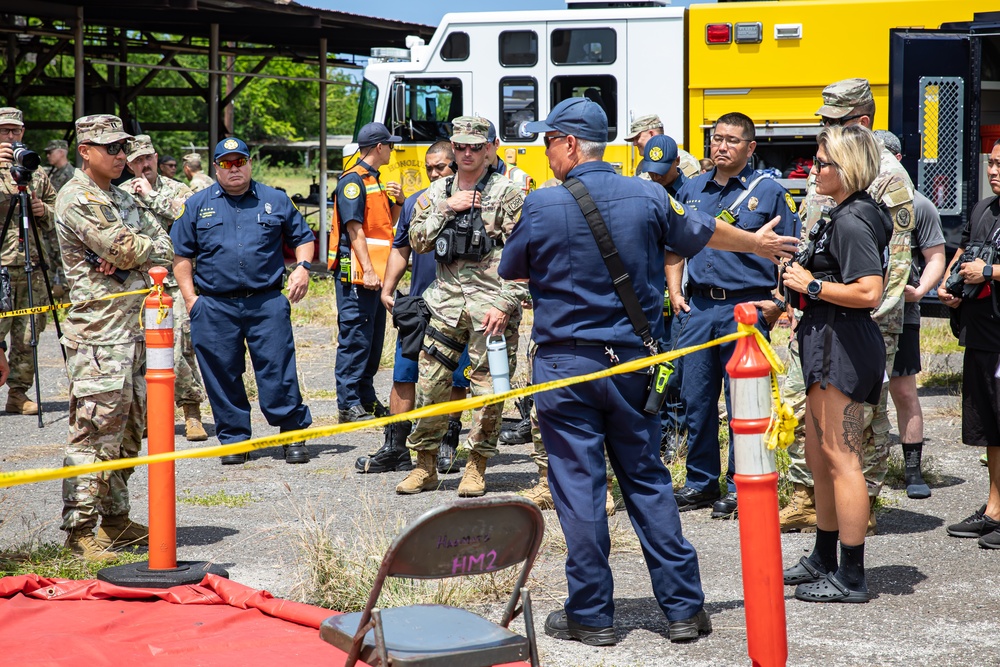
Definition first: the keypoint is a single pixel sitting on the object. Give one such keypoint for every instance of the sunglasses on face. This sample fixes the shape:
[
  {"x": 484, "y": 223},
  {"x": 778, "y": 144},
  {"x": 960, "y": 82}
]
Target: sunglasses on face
[
  {"x": 831, "y": 122},
  {"x": 231, "y": 164},
  {"x": 475, "y": 148},
  {"x": 548, "y": 140},
  {"x": 111, "y": 149},
  {"x": 820, "y": 165}
]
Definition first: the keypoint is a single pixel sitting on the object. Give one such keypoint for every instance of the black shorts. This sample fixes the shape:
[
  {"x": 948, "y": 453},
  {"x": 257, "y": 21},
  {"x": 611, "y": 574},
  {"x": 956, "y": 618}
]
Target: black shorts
[
  {"x": 907, "y": 360},
  {"x": 980, "y": 399},
  {"x": 856, "y": 354}
]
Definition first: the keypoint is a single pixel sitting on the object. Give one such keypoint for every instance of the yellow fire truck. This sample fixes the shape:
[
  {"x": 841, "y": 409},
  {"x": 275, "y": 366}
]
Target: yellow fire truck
[{"x": 769, "y": 59}]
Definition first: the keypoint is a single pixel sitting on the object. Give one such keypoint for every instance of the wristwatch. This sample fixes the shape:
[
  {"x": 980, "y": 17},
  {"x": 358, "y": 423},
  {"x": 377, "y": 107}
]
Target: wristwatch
[
  {"x": 307, "y": 266},
  {"x": 814, "y": 288},
  {"x": 988, "y": 272}
]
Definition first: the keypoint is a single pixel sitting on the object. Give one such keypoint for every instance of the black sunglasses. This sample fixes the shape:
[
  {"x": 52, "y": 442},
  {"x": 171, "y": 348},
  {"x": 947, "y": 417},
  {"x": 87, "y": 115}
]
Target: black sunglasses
[
  {"x": 830, "y": 122},
  {"x": 548, "y": 140},
  {"x": 111, "y": 149}
]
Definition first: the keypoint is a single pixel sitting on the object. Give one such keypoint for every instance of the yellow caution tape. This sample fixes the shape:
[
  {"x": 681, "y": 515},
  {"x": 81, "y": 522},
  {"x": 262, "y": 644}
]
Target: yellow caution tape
[
  {"x": 62, "y": 306},
  {"x": 15, "y": 478}
]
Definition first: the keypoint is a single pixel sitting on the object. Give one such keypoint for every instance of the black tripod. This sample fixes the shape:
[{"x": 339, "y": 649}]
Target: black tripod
[{"x": 20, "y": 202}]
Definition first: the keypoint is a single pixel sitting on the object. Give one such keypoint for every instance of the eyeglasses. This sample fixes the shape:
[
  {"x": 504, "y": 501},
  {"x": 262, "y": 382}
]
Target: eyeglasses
[
  {"x": 820, "y": 165},
  {"x": 548, "y": 140},
  {"x": 475, "y": 148},
  {"x": 231, "y": 164},
  {"x": 718, "y": 139},
  {"x": 11, "y": 131},
  {"x": 110, "y": 149},
  {"x": 830, "y": 122}
]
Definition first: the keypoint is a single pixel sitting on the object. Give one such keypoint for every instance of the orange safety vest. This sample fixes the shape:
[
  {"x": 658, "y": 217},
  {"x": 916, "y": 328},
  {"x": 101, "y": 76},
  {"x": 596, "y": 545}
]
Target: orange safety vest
[{"x": 377, "y": 227}]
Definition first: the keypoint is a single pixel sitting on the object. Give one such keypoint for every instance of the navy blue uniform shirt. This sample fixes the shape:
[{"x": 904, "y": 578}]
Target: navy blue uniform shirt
[
  {"x": 738, "y": 270},
  {"x": 423, "y": 271},
  {"x": 570, "y": 284},
  {"x": 236, "y": 242}
]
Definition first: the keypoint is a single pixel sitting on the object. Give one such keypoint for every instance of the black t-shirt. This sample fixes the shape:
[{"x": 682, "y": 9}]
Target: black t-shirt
[
  {"x": 980, "y": 325},
  {"x": 853, "y": 244}
]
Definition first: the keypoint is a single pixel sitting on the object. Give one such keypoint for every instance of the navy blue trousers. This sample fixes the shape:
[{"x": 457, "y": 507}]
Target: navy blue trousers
[
  {"x": 361, "y": 324},
  {"x": 222, "y": 330},
  {"x": 672, "y": 418},
  {"x": 577, "y": 423},
  {"x": 703, "y": 378}
]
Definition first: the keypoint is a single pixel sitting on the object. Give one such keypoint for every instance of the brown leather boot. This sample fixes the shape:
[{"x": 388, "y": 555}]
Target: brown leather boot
[
  {"x": 800, "y": 513},
  {"x": 473, "y": 482},
  {"x": 120, "y": 531},
  {"x": 422, "y": 478},
  {"x": 18, "y": 403},
  {"x": 82, "y": 543},
  {"x": 540, "y": 493},
  {"x": 194, "y": 431}
]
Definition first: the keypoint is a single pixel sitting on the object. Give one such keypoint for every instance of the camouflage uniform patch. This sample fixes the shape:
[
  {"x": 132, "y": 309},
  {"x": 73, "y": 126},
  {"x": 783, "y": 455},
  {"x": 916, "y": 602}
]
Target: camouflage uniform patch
[
  {"x": 200, "y": 181},
  {"x": 60, "y": 176}
]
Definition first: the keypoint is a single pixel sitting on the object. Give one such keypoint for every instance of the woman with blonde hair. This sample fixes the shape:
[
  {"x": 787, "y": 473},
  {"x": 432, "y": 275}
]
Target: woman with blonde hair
[{"x": 837, "y": 281}]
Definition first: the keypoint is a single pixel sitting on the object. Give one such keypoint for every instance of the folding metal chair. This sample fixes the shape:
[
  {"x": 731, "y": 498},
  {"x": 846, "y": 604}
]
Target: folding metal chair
[{"x": 467, "y": 537}]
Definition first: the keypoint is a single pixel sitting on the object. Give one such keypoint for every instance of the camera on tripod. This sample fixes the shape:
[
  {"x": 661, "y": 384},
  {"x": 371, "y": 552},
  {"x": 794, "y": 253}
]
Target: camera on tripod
[{"x": 25, "y": 162}]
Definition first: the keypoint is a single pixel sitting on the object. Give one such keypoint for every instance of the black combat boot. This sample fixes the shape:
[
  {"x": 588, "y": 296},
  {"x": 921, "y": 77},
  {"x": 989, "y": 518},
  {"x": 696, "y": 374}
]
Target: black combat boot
[
  {"x": 392, "y": 455},
  {"x": 520, "y": 433},
  {"x": 449, "y": 446}
]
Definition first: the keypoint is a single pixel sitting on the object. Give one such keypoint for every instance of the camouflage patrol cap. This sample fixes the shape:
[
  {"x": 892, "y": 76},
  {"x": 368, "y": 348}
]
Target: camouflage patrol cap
[
  {"x": 11, "y": 116},
  {"x": 469, "y": 130},
  {"x": 56, "y": 144},
  {"x": 140, "y": 145},
  {"x": 192, "y": 160},
  {"x": 840, "y": 98},
  {"x": 641, "y": 124},
  {"x": 100, "y": 129}
]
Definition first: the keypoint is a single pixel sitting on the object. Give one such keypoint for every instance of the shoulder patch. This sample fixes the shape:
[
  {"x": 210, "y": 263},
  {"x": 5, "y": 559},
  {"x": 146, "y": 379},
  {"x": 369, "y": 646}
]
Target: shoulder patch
[
  {"x": 108, "y": 213},
  {"x": 352, "y": 190},
  {"x": 423, "y": 202},
  {"x": 790, "y": 202},
  {"x": 677, "y": 206},
  {"x": 180, "y": 212},
  {"x": 903, "y": 219}
]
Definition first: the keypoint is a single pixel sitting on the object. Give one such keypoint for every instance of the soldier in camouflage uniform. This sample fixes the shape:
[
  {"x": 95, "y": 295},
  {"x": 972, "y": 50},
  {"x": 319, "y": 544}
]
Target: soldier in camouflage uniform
[
  {"x": 60, "y": 168},
  {"x": 106, "y": 352},
  {"x": 43, "y": 199},
  {"x": 192, "y": 170},
  {"x": 165, "y": 197},
  {"x": 468, "y": 302},
  {"x": 845, "y": 103}
]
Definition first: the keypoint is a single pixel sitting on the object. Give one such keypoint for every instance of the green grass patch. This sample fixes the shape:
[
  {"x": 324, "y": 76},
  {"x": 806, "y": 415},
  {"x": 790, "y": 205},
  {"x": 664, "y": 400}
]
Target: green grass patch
[
  {"x": 896, "y": 473},
  {"x": 220, "y": 498},
  {"x": 52, "y": 560},
  {"x": 945, "y": 379},
  {"x": 936, "y": 337}
]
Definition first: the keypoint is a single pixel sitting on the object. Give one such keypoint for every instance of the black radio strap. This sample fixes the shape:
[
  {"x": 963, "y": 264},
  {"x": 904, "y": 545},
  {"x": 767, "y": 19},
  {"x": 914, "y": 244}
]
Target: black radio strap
[{"x": 619, "y": 276}]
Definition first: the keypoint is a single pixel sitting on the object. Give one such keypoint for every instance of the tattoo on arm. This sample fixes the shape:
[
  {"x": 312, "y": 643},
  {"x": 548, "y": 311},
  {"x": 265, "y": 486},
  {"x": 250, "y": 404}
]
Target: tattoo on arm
[
  {"x": 819, "y": 429},
  {"x": 854, "y": 428}
]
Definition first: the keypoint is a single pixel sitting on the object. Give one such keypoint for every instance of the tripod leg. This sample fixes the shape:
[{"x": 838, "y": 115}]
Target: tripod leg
[
  {"x": 48, "y": 289},
  {"x": 29, "y": 267}
]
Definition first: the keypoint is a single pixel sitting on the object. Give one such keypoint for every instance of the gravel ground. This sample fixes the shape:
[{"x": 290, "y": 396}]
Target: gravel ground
[{"x": 934, "y": 594}]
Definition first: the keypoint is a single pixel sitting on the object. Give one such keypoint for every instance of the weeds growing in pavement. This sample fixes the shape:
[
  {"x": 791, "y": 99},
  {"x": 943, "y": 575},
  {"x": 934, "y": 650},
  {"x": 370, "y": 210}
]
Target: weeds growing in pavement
[
  {"x": 949, "y": 380},
  {"x": 338, "y": 571},
  {"x": 896, "y": 473},
  {"x": 220, "y": 498},
  {"x": 936, "y": 337},
  {"x": 52, "y": 560}
]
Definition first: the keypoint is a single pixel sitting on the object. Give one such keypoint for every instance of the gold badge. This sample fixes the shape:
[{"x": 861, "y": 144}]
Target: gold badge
[
  {"x": 180, "y": 213},
  {"x": 655, "y": 153},
  {"x": 674, "y": 204},
  {"x": 467, "y": 372},
  {"x": 752, "y": 204},
  {"x": 351, "y": 190},
  {"x": 790, "y": 202},
  {"x": 231, "y": 145},
  {"x": 411, "y": 181}
]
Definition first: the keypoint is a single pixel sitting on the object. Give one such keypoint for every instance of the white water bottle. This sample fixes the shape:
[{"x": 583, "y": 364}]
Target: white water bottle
[{"x": 496, "y": 354}]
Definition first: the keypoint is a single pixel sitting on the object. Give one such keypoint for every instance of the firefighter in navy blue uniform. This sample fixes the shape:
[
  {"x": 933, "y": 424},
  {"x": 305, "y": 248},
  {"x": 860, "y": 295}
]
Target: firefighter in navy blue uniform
[
  {"x": 736, "y": 195},
  {"x": 233, "y": 232},
  {"x": 581, "y": 326},
  {"x": 364, "y": 212}
]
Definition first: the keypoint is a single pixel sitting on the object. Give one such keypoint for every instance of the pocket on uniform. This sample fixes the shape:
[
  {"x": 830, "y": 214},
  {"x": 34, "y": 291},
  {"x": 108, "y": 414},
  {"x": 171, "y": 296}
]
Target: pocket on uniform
[
  {"x": 270, "y": 230},
  {"x": 85, "y": 387},
  {"x": 750, "y": 221}
]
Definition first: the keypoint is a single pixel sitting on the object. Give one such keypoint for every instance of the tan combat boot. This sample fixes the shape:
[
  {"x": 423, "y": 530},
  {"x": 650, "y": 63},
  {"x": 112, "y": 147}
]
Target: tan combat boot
[
  {"x": 422, "y": 478},
  {"x": 539, "y": 493},
  {"x": 193, "y": 429},
  {"x": 800, "y": 513},
  {"x": 120, "y": 531},
  {"x": 19, "y": 404},
  {"x": 82, "y": 543},
  {"x": 474, "y": 478}
]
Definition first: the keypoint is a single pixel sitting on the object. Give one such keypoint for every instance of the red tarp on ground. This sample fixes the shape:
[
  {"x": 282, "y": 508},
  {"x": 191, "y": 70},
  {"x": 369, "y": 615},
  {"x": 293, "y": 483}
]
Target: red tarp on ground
[{"x": 217, "y": 623}]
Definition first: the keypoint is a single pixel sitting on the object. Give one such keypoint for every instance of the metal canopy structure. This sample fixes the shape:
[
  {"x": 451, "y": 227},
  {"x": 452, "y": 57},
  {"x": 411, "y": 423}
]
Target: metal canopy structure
[{"x": 106, "y": 32}]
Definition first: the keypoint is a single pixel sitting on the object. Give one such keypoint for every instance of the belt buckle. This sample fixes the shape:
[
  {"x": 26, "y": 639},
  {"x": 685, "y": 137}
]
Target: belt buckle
[{"x": 714, "y": 291}]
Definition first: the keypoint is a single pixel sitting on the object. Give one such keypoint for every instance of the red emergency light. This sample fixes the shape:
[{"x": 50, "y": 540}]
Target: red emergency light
[{"x": 719, "y": 33}]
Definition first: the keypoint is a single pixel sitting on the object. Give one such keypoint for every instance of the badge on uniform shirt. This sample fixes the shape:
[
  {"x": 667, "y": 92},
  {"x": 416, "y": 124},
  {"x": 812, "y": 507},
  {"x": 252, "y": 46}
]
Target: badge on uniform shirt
[
  {"x": 655, "y": 153},
  {"x": 267, "y": 208},
  {"x": 352, "y": 190},
  {"x": 790, "y": 202},
  {"x": 676, "y": 205},
  {"x": 752, "y": 204},
  {"x": 180, "y": 213},
  {"x": 903, "y": 219},
  {"x": 109, "y": 214}
]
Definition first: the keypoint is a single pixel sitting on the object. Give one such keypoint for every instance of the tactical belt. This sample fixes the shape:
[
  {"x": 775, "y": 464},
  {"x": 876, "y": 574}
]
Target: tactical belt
[{"x": 433, "y": 351}]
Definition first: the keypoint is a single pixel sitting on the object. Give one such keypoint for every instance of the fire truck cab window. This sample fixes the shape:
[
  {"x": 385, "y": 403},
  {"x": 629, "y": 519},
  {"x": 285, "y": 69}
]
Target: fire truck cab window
[
  {"x": 428, "y": 106},
  {"x": 602, "y": 89},
  {"x": 456, "y": 47},
  {"x": 584, "y": 46},
  {"x": 366, "y": 106},
  {"x": 519, "y": 105},
  {"x": 518, "y": 48}
]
